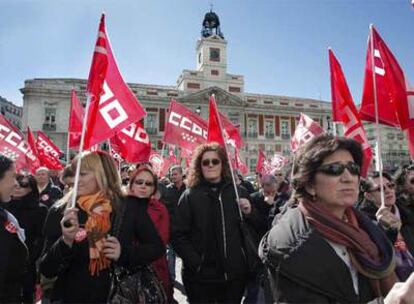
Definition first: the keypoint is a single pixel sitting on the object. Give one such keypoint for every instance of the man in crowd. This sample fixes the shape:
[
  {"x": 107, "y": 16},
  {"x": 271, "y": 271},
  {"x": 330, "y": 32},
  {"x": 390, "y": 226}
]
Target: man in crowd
[{"x": 49, "y": 193}]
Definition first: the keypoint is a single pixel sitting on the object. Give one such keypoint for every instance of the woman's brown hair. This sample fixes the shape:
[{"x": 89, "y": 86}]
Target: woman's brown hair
[
  {"x": 311, "y": 156},
  {"x": 195, "y": 175}
]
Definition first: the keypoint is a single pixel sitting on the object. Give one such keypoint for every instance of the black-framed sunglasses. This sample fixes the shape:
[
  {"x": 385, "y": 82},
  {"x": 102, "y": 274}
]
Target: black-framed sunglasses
[
  {"x": 389, "y": 185},
  {"x": 336, "y": 169},
  {"x": 23, "y": 184},
  {"x": 214, "y": 161},
  {"x": 141, "y": 182}
]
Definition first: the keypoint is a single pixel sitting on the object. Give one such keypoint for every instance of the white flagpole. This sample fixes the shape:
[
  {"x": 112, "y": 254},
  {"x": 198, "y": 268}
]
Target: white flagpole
[
  {"x": 78, "y": 164},
  {"x": 162, "y": 158},
  {"x": 67, "y": 151},
  {"x": 230, "y": 164},
  {"x": 374, "y": 82},
  {"x": 334, "y": 128}
]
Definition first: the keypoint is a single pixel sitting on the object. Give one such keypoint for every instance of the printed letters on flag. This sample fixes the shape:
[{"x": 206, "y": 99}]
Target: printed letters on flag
[
  {"x": 113, "y": 106},
  {"x": 304, "y": 132},
  {"x": 344, "y": 110},
  {"x": 395, "y": 108},
  {"x": 47, "y": 152},
  {"x": 184, "y": 128},
  {"x": 160, "y": 165},
  {"x": 132, "y": 143}
]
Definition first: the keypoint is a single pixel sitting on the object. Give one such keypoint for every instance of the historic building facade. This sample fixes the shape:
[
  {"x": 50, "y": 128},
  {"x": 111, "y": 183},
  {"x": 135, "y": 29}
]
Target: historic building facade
[
  {"x": 266, "y": 121},
  {"x": 12, "y": 112}
]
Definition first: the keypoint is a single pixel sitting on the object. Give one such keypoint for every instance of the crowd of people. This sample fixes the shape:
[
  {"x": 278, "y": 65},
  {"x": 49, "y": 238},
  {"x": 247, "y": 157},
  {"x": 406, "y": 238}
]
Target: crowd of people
[{"x": 319, "y": 234}]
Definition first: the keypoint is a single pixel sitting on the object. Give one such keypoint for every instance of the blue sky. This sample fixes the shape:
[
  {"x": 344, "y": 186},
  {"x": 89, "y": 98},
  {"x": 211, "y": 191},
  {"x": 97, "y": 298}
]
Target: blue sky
[{"x": 279, "y": 46}]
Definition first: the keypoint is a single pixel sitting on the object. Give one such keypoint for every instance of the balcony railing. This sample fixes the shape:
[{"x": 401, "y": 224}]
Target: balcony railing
[
  {"x": 285, "y": 136},
  {"x": 270, "y": 135},
  {"x": 252, "y": 134},
  {"x": 49, "y": 127}
]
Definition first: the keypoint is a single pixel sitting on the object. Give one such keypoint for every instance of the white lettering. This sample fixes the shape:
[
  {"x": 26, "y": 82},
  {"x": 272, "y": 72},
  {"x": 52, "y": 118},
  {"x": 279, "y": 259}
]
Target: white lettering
[
  {"x": 120, "y": 118},
  {"x": 172, "y": 120}
]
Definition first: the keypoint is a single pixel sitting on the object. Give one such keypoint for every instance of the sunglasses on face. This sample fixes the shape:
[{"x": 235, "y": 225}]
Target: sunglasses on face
[
  {"x": 390, "y": 185},
  {"x": 207, "y": 162},
  {"x": 279, "y": 174},
  {"x": 141, "y": 182},
  {"x": 23, "y": 184},
  {"x": 337, "y": 169}
]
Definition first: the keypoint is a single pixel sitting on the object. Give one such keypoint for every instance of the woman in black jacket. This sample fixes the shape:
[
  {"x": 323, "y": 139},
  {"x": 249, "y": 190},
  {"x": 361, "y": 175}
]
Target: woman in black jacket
[
  {"x": 322, "y": 250},
  {"x": 206, "y": 230},
  {"x": 31, "y": 215},
  {"x": 79, "y": 248},
  {"x": 13, "y": 251}
]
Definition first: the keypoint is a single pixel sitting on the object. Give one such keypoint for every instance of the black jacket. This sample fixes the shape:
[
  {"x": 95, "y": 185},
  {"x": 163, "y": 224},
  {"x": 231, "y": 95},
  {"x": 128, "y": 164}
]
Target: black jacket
[
  {"x": 31, "y": 216},
  {"x": 310, "y": 271},
  {"x": 206, "y": 233},
  {"x": 172, "y": 196},
  {"x": 50, "y": 195},
  {"x": 71, "y": 265},
  {"x": 13, "y": 258}
]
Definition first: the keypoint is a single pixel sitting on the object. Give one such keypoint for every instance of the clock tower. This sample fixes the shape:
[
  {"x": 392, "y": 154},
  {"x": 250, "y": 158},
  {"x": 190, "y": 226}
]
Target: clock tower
[{"x": 211, "y": 61}]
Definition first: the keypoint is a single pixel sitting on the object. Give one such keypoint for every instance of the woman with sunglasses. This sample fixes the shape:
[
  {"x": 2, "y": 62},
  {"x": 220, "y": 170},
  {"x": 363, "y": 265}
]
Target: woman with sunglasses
[
  {"x": 142, "y": 189},
  {"x": 80, "y": 243},
  {"x": 389, "y": 219},
  {"x": 206, "y": 230},
  {"x": 322, "y": 250},
  {"x": 31, "y": 215}
]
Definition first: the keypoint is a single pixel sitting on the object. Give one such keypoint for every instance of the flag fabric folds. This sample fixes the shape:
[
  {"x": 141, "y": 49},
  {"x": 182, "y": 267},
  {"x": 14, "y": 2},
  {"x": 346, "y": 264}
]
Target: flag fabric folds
[
  {"x": 76, "y": 115},
  {"x": 214, "y": 133},
  {"x": 306, "y": 129},
  {"x": 344, "y": 111}
]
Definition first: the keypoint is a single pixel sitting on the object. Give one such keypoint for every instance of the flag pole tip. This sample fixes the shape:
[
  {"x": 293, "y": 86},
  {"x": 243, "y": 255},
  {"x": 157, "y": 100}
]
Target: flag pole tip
[
  {"x": 329, "y": 48},
  {"x": 371, "y": 25}
]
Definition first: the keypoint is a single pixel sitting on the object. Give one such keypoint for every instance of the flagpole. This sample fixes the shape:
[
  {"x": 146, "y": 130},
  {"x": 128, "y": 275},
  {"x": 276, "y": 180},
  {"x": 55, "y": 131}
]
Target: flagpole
[
  {"x": 374, "y": 82},
  {"x": 67, "y": 150},
  {"x": 78, "y": 163},
  {"x": 334, "y": 128},
  {"x": 230, "y": 164},
  {"x": 162, "y": 157}
]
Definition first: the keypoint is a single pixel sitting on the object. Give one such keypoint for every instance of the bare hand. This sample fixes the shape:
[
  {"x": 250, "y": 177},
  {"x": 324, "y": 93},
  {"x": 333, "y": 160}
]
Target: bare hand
[
  {"x": 70, "y": 215},
  {"x": 245, "y": 206},
  {"x": 112, "y": 248},
  {"x": 269, "y": 199},
  {"x": 387, "y": 219},
  {"x": 401, "y": 293}
]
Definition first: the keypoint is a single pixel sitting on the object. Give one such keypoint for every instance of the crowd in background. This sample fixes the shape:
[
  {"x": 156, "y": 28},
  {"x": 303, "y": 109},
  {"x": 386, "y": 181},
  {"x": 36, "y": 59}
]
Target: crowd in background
[{"x": 323, "y": 233}]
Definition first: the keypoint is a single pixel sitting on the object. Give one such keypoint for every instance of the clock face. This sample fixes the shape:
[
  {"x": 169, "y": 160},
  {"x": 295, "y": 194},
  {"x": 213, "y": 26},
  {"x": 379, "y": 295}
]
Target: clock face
[{"x": 214, "y": 54}]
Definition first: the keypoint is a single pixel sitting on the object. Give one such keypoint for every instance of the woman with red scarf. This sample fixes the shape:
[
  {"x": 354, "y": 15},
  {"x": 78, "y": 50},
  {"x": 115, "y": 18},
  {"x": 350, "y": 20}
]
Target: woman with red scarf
[
  {"x": 143, "y": 188},
  {"x": 320, "y": 249}
]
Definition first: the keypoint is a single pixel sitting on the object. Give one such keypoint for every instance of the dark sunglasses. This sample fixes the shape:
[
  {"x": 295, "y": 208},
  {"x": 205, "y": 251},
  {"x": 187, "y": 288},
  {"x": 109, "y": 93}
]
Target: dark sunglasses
[
  {"x": 337, "y": 169},
  {"x": 214, "y": 161},
  {"x": 23, "y": 184},
  {"x": 279, "y": 174},
  {"x": 140, "y": 182},
  {"x": 378, "y": 189}
]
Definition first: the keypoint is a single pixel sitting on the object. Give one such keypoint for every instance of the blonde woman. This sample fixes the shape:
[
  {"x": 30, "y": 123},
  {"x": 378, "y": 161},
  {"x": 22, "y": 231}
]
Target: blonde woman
[{"x": 79, "y": 254}]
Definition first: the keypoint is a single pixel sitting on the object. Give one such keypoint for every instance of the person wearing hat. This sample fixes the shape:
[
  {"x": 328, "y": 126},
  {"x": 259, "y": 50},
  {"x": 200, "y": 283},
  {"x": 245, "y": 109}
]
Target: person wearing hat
[{"x": 48, "y": 192}]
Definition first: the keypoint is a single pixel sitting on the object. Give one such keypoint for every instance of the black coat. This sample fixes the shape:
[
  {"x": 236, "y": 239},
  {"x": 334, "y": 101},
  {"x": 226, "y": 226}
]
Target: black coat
[
  {"x": 310, "y": 269},
  {"x": 172, "y": 196},
  {"x": 31, "y": 216},
  {"x": 50, "y": 195},
  {"x": 206, "y": 233},
  {"x": 71, "y": 265},
  {"x": 13, "y": 258}
]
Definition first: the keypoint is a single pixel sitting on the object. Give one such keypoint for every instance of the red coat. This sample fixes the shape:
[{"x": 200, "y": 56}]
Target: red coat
[{"x": 161, "y": 219}]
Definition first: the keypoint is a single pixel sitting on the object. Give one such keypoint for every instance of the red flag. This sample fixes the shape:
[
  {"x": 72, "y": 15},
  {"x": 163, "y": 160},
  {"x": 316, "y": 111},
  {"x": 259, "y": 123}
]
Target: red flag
[
  {"x": 75, "y": 121},
  {"x": 260, "y": 164},
  {"x": 304, "y": 132},
  {"x": 160, "y": 165},
  {"x": 394, "y": 107},
  {"x": 239, "y": 164},
  {"x": 184, "y": 128},
  {"x": 187, "y": 155},
  {"x": 410, "y": 138},
  {"x": 36, "y": 163},
  {"x": 232, "y": 132},
  {"x": 171, "y": 155},
  {"x": 344, "y": 110},
  {"x": 13, "y": 145},
  {"x": 46, "y": 144},
  {"x": 277, "y": 163},
  {"x": 214, "y": 133},
  {"x": 113, "y": 106},
  {"x": 132, "y": 143}
]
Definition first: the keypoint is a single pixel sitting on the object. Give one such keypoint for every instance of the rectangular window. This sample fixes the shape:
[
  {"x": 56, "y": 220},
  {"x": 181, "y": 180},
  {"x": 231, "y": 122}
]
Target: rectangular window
[
  {"x": 284, "y": 128},
  {"x": 269, "y": 129},
  {"x": 215, "y": 54},
  {"x": 50, "y": 115},
  {"x": 252, "y": 128},
  {"x": 151, "y": 123},
  {"x": 252, "y": 164},
  {"x": 234, "y": 90},
  {"x": 193, "y": 85},
  {"x": 214, "y": 72}
]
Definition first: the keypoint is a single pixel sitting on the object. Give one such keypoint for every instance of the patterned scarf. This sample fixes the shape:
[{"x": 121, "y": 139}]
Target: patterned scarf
[
  {"x": 99, "y": 209},
  {"x": 371, "y": 253}
]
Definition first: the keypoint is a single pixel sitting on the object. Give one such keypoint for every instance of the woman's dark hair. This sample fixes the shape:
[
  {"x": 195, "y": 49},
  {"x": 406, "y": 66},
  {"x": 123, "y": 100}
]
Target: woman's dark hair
[
  {"x": 68, "y": 172},
  {"x": 195, "y": 174},
  {"x": 5, "y": 164},
  {"x": 20, "y": 178},
  {"x": 311, "y": 156},
  {"x": 144, "y": 169},
  {"x": 400, "y": 176}
]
